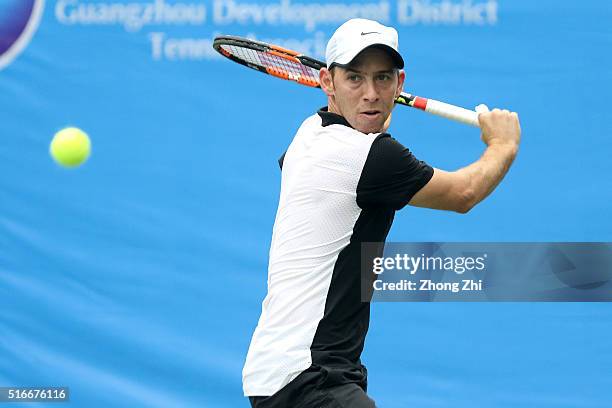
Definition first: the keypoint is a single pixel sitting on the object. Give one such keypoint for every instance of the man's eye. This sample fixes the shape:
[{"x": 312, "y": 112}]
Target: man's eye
[
  {"x": 384, "y": 77},
  {"x": 354, "y": 78}
]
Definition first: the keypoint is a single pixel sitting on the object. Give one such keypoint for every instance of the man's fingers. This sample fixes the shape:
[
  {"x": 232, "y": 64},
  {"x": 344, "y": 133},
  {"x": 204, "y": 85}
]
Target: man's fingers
[{"x": 482, "y": 108}]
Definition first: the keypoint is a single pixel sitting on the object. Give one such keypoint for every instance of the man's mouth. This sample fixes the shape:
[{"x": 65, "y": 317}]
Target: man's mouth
[{"x": 371, "y": 113}]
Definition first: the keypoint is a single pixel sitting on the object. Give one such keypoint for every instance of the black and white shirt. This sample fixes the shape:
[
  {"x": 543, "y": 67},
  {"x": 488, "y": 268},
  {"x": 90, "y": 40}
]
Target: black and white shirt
[{"x": 339, "y": 187}]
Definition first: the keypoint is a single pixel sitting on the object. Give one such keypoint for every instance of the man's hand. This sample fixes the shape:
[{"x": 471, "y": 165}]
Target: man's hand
[
  {"x": 462, "y": 189},
  {"x": 500, "y": 127}
]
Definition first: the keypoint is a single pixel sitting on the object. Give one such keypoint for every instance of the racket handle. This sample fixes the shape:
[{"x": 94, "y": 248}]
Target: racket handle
[
  {"x": 452, "y": 112},
  {"x": 445, "y": 110}
]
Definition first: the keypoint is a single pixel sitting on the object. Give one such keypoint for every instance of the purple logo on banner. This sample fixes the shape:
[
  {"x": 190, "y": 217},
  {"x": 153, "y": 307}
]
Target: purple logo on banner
[{"x": 18, "y": 21}]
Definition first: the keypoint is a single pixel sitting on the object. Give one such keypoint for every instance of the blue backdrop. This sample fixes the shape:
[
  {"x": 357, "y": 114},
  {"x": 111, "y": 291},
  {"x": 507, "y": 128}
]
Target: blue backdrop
[{"x": 137, "y": 279}]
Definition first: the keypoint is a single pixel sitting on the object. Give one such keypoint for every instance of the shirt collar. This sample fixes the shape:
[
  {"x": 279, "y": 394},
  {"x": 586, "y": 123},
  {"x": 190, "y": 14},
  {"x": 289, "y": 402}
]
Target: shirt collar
[{"x": 330, "y": 118}]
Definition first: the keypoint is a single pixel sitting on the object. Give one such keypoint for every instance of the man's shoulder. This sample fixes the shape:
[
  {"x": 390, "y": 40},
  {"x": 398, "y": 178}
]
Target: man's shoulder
[
  {"x": 385, "y": 148},
  {"x": 311, "y": 121},
  {"x": 386, "y": 141}
]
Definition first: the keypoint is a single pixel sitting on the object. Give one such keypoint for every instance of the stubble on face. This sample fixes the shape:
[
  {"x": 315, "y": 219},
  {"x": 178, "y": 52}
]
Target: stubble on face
[{"x": 364, "y": 92}]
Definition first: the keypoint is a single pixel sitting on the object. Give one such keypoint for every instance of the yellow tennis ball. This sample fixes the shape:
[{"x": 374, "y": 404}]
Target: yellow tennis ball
[{"x": 70, "y": 147}]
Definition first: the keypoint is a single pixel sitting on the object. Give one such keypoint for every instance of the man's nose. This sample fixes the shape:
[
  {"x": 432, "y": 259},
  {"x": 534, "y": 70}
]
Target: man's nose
[{"x": 370, "y": 92}]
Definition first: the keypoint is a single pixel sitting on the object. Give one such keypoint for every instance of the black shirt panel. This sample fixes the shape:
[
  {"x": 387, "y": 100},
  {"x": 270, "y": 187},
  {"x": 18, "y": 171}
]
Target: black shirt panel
[
  {"x": 340, "y": 336},
  {"x": 391, "y": 175},
  {"x": 281, "y": 160},
  {"x": 330, "y": 118}
]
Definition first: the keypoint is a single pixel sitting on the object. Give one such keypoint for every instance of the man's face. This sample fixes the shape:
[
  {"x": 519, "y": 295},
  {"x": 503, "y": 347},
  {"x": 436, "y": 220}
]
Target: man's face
[{"x": 364, "y": 92}]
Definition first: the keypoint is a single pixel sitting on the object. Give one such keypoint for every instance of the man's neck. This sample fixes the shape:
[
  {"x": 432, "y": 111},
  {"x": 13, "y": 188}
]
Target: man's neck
[{"x": 331, "y": 107}]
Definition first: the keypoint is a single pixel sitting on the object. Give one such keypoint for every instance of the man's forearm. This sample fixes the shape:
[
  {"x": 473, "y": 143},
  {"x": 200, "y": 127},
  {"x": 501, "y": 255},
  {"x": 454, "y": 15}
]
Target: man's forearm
[
  {"x": 461, "y": 190},
  {"x": 485, "y": 174}
]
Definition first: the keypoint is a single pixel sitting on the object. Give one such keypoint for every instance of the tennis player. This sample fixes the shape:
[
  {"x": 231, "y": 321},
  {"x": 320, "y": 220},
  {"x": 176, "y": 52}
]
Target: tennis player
[{"x": 343, "y": 178}]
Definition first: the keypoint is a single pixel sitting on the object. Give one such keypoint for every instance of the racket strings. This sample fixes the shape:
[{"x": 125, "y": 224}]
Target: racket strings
[{"x": 276, "y": 65}]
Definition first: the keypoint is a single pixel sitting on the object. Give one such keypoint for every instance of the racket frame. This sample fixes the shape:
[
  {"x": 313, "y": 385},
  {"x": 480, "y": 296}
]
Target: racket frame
[{"x": 435, "y": 107}]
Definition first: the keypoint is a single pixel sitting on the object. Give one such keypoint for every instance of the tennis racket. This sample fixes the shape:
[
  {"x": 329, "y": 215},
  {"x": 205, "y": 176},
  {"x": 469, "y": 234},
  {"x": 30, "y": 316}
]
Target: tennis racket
[{"x": 290, "y": 65}]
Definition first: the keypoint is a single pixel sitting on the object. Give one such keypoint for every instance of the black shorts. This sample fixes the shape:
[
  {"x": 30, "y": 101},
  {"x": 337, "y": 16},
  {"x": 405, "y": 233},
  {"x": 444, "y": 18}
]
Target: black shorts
[{"x": 321, "y": 387}]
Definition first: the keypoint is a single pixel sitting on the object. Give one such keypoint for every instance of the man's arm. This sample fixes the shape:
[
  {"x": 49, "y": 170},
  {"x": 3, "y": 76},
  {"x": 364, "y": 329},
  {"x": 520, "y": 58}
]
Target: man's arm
[{"x": 461, "y": 190}]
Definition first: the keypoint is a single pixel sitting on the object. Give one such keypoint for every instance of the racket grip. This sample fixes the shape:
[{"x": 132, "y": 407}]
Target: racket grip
[{"x": 452, "y": 112}]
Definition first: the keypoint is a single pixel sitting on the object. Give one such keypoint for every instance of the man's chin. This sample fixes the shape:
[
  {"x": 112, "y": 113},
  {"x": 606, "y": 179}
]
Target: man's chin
[
  {"x": 369, "y": 128},
  {"x": 370, "y": 125}
]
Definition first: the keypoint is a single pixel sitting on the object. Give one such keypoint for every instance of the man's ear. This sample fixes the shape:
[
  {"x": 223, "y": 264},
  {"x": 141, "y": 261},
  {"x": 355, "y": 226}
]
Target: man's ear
[
  {"x": 400, "y": 83},
  {"x": 327, "y": 83}
]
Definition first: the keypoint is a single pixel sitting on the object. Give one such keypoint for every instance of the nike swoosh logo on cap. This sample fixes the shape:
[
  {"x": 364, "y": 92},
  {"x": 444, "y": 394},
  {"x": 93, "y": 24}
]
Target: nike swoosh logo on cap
[{"x": 371, "y": 32}]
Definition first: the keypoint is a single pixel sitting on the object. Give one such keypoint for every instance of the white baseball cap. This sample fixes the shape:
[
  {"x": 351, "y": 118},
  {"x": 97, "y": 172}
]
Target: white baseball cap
[{"x": 358, "y": 34}]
